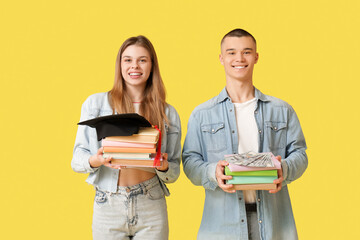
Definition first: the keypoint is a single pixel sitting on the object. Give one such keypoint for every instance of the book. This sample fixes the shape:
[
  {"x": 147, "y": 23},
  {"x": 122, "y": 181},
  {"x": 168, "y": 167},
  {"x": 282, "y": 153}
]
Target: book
[
  {"x": 251, "y": 173},
  {"x": 145, "y": 135},
  {"x": 107, "y": 143},
  {"x": 128, "y": 150},
  {"x": 262, "y": 186},
  {"x": 251, "y": 179},
  {"x": 135, "y": 163},
  {"x": 129, "y": 155}
]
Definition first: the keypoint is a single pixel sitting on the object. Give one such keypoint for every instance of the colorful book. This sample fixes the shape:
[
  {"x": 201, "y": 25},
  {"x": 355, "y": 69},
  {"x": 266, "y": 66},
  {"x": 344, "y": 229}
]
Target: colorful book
[
  {"x": 143, "y": 156},
  {"x": 251, "y": 173},
  {"x": 107, "y": 143},
  {"x": 135, "y": 163},
  {"x": 128, "y": 150},
  {"x": 251, "y": 179},
  {"x": 261, "y": 186},
  {"x": 145, "y": 135}
]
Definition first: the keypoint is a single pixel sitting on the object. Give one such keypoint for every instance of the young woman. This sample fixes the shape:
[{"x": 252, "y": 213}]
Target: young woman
[{"x": 130, "y": 202}]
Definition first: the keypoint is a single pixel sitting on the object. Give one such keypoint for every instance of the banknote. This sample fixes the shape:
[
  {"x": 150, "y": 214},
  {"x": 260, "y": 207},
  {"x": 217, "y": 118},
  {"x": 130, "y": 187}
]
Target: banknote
[{"x": 251, "y": 159}]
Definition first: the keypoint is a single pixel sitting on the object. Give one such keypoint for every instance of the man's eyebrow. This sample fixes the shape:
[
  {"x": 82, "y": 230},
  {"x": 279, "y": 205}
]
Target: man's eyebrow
[{"x": 233, "y": 49}]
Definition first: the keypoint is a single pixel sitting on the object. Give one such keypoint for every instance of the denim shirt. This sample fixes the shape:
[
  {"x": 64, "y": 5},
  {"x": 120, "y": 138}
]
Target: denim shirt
[
  {"x": 86, "y": 145},
  {"x": 212, "y": 133}
]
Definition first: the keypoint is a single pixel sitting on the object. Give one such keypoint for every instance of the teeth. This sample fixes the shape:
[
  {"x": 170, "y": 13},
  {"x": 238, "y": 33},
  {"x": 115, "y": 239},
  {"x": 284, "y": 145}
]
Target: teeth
[
  {"x": 239, "y": 66},
  {"x": 135, "y": 74}
]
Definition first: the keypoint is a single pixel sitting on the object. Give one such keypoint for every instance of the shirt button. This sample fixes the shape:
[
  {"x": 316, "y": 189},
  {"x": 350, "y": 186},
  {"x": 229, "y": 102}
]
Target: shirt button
[
  {"x": 260, "y": 221},
  {"x": 127, "y": 190},
  {"x": 230, "y": 110},
  {"x": 233, "y": 131},
  {"x": 258, "y": 199},
  {"x": 212, "y": 130},
  {"x": 256, "y": 112},
  {"x": 167, "y": 179},
  {"x": 242, "y": 220},
  {"x": 259, "y": 131},
  {"x": 240, "y": 198},
  {"x": 275, "y": 128}
]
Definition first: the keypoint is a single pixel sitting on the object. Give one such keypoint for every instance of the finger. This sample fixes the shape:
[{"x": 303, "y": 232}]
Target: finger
[
  {"x": 164, "y": 156},
  {"x": 278, "y": 188},
  {"x": 100, "y": 151},
  {"x": 222, "y": 163},
  {"x": 229, "y": 188},
  {"x": 278, "y": 157},
  {"x": 107, "y": 160}
]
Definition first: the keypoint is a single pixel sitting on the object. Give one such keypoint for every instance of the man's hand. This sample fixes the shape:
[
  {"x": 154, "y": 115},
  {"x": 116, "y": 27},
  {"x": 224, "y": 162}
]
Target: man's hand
[
  {"x": 280, "y": 179},
  {"x": 221, "y": 177}
]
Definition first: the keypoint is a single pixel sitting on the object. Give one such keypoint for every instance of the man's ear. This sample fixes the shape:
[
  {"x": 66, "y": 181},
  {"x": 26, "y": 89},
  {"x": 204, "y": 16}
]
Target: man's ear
[
  {"x": 256, "y": 57},
  {"x": 221, "y": 59}
]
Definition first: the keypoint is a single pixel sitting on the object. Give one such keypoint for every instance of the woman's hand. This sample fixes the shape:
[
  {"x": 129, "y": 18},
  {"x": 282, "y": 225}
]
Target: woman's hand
[
  {"x": 97, "y": 160},
  {"x": 165, "y": 163}
]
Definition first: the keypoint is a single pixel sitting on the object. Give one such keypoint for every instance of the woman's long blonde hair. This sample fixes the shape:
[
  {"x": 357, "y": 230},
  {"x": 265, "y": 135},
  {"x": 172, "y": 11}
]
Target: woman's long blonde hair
[{"x": 153, "y": 104}]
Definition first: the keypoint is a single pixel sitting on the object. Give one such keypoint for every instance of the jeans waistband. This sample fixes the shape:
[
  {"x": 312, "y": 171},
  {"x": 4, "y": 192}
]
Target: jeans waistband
[{"x": 140, "y": 188}]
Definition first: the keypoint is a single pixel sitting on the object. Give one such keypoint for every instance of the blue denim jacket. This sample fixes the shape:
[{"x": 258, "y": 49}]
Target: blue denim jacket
[
  {"x": 211, "y": 134},
  {"x": 86, "y": 144}
]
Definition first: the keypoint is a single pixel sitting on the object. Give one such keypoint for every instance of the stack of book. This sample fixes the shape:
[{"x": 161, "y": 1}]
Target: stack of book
[
  {"x": 252, "y": 175},
  {"x": 135, "y": 150}
]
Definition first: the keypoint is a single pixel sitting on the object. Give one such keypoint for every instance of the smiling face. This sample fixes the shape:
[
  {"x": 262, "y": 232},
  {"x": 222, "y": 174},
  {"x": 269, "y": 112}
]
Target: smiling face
[
  {"x": 135, "y": 66},
  {"x": 238, "y": 55}
]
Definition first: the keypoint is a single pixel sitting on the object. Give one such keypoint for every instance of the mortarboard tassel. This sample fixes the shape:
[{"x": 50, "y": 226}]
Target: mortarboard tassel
[{"x": 158, "y": 150}]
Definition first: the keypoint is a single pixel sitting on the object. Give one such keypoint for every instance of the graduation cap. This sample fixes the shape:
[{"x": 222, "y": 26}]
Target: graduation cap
[{"x": 125, "y": 124}]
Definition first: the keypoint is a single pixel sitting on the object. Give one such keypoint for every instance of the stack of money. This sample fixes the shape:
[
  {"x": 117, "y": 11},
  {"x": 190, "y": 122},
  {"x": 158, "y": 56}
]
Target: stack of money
[{"x": 252, "y": 171}]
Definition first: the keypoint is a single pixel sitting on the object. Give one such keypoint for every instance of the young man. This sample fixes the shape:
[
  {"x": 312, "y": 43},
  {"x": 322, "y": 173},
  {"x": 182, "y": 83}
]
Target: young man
[{"x": 242, "y": 119}]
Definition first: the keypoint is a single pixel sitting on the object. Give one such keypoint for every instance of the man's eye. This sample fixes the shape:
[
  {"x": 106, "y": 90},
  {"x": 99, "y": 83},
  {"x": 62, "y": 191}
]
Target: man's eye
[
  {"x": 247, "y": 52},
  {"x": 231, "y": 53}
]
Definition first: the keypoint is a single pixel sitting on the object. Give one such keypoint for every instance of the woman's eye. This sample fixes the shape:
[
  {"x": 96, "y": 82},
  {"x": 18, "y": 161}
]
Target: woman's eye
[
  {"x": 142, "y": 60},
  {"x": 127, "y": 60}
]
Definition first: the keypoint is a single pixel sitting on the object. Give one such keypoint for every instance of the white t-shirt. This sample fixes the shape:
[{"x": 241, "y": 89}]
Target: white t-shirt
[{"x": 247, "y": 135}]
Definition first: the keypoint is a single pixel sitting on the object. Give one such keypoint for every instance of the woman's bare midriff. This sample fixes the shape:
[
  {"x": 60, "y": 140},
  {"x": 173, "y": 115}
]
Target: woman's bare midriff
[{"x": 133, "y": 176}]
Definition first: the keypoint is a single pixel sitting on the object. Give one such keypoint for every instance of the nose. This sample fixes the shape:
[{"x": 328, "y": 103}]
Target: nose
[
  {"x": 134, "y": 65},
  {"x": 240, "y": 57}
]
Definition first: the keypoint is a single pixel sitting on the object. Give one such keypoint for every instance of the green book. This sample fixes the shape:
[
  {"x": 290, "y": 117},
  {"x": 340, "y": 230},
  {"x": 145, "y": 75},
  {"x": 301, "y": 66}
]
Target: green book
[
  {"x": 251, "y": 179},
  {"x": 251, "y": 173}
]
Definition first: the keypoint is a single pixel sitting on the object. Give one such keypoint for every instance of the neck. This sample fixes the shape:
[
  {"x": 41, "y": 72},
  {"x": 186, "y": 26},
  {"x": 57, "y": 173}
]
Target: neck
[
  {"x": 135, "y": 93},
  {"x": 240, "y": 91}
]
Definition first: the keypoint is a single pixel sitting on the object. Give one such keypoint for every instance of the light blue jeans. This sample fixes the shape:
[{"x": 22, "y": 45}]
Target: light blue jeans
[{"x": 134, "y": 212}]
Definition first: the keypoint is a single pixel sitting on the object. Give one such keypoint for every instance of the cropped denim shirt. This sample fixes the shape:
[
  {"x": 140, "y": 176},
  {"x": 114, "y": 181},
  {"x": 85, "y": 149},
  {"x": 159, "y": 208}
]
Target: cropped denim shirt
[
  {"x": 212, "y": 133},
  {"x": 86, "y": 145}
]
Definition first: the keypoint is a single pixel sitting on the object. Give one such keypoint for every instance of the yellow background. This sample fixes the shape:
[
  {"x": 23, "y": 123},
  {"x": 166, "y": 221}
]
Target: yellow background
[{"x": 54, "y": 54}]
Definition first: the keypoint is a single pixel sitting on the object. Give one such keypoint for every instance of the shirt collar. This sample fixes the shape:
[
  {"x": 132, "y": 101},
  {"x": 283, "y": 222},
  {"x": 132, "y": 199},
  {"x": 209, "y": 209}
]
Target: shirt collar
[{"x": 258, "y": 95}]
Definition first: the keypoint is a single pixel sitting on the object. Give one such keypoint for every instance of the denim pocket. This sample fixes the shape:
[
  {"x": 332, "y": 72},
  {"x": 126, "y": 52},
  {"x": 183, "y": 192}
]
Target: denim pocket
[
  {"x": 155, "y": 193},
  {"x": 275, "y": 134},
  {"x": 100, "y": 197},
  {"x": 214, "y": 136}
]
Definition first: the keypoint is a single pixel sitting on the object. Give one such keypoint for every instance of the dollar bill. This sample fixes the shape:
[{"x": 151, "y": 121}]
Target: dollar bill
[{"x": 251, "y": 159}]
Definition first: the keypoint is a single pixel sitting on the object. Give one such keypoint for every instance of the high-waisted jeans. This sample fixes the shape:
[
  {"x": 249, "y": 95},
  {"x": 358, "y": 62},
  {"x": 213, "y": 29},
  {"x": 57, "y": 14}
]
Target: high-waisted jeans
[{"x": 134, "y": 212}]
